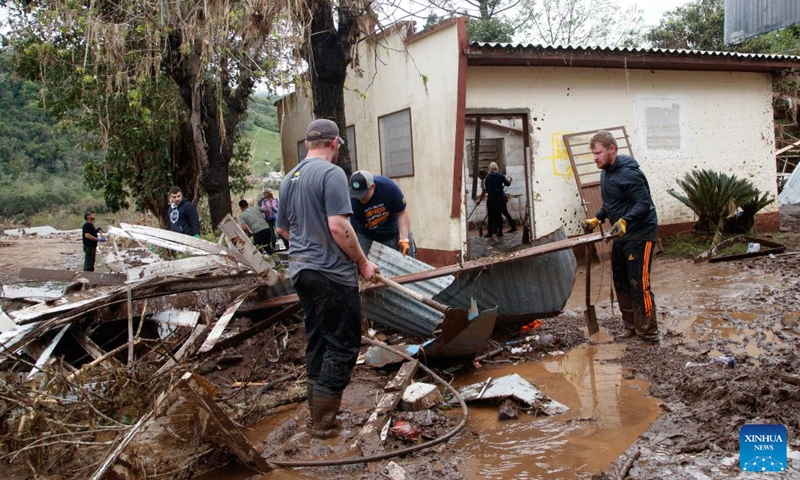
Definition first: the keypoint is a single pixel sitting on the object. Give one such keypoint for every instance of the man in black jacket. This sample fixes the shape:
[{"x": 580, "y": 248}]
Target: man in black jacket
[
  {"x": 628, "y": 205},
  {"x": 182, "y": 215}
]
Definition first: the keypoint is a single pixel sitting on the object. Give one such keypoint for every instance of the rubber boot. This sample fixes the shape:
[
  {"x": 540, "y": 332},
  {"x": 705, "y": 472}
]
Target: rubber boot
[
  {"x": 628, "y": 316},
  {"x": 310, "y": 394},
  {"x": 324, "y": 410}
]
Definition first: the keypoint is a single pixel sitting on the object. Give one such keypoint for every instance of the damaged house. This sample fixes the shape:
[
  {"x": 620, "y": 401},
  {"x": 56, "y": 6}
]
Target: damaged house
[{"x": 417, "y": 102}]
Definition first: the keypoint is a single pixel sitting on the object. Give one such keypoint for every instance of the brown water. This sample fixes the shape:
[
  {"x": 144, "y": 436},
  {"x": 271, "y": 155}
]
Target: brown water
[{"x": 607, "y": 413}]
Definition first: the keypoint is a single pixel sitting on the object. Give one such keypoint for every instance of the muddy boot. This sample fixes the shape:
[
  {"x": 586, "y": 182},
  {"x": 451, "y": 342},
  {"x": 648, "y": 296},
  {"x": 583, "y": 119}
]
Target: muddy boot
[
  {"x": 310, "y": 394},
  {"x": 646, "y": 325},
  {"x": 628, "y": 316},
  {"x": 324, "y": 410}
]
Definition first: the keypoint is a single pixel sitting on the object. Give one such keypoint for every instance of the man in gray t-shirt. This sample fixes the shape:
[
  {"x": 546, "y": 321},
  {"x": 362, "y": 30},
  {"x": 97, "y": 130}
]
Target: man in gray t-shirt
[{"x": 324, "y": 262}]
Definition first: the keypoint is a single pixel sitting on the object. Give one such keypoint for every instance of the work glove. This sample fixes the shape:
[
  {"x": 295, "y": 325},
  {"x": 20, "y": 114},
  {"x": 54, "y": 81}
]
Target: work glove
[
  {"x": 591, "y": 223},
  {"x": 404, "y": 247},
  {"x": 619, "y": 228}
]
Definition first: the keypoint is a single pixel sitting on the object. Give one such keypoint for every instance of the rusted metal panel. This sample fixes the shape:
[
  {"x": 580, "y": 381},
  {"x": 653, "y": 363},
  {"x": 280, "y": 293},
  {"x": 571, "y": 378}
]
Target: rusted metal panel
[
  {"x": 538, "y": 286},
  {"x": 749, "y": 18}
]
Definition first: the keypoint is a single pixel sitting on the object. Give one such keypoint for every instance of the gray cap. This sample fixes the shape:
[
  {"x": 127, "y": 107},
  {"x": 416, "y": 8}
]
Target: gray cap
[
  {"x": 323, "y": 128},
  {"x": 360, "y": 182}
]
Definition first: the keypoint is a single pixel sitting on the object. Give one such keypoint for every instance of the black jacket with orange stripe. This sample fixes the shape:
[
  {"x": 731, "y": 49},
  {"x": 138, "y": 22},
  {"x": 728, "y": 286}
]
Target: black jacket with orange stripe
[{"x": 626, "y": 195}]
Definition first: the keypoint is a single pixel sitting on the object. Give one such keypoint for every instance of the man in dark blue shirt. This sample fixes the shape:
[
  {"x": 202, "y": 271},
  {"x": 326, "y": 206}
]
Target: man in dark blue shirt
[
  {"x": 628, "y": 205},
  {"x": 379, "y": 213},
  {"x": 90, "y": 235}
]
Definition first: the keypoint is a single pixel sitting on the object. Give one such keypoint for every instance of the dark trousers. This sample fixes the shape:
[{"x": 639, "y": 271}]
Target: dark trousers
[
  {"x": 630, "y": 265},
  {"x": 89, "y": 254},
  {"x": 494, "y": 207},
  {"x": 505, "y": 213},
  {"x": 262, "y": 239},
  {"x": 333, "y": 330}
]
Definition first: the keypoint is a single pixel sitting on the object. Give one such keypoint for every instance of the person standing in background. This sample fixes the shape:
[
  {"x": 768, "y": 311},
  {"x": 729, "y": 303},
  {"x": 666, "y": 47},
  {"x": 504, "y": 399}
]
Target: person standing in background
[
  {"x": 252, "y": 222},
  {"x": 91, "y": 235},
  {"x": 182, "y": 215},
  {"x": 268, "y": 205}
]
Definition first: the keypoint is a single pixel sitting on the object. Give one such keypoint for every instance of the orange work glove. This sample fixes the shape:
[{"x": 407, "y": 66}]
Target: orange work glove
[{"x": 403, "y": 246}]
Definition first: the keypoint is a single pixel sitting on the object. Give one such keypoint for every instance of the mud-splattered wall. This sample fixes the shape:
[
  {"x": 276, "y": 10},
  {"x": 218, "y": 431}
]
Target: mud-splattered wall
[{"x": 677, "y": 121}]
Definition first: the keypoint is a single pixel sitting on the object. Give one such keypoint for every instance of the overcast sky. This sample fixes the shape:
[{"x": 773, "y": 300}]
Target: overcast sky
[{"x": 653, "y": 9}]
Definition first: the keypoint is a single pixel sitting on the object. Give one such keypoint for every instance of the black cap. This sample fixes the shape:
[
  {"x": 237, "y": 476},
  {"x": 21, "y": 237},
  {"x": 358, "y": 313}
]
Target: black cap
[
  {"x": 87, "y": 213},
  {"x": 360, "y": 182},
  {"x": 323, "y": 128}
]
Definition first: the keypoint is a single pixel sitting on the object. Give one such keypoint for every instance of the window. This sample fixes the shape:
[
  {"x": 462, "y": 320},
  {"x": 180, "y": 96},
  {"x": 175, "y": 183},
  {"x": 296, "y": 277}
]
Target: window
[
  {"x": 663, "y": 125},
  {"x": 350, "y": 138},
  {"x": 397, "y": 154},
  {"x": 302, "y": 151}
]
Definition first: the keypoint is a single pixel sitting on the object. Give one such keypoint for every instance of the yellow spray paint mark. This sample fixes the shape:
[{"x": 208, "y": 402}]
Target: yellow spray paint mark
[{"x": 560, "y": 158}]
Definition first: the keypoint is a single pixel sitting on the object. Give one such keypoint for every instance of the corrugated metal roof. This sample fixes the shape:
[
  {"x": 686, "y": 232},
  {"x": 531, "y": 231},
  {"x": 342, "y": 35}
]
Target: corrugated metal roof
[
  {"x": 645, "y": 51},
  {"x": 504, "y": 54},
  {"x": 537, "y": 286},
  {"x": 393, "y": 309},
  {"x": 790, "y": 194}
]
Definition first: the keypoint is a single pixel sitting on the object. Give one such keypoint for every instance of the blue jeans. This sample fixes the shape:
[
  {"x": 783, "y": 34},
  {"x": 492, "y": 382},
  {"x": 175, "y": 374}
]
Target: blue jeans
[{"x": 333, "y": 330}]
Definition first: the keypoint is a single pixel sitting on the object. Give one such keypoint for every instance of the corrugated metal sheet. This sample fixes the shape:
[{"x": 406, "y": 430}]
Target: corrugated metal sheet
[
  {"x": 748, "y": 18},
  {"x": 393, "y": 309},
  {"x": 790, "y": 194},
  {"x": 537, "y": 286},
  {"x": 674, "y": 52}
]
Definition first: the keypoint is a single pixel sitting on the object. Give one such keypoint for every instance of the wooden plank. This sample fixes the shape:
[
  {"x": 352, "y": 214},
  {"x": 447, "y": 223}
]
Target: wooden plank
[
  {"x": 121, "y": 446},
  {"x": 187, "y": 349},
  {"x": 48, "y": 352},
  {"x": 257, "y": 328},
  {"x": 483, "y": 263},
  {"x": 788, "y": 147},
  {"x": 252, "y": 257},
  {"x": 202, "y": 391},
  {"x": 178, "y": 318},
  {"x": 226, "y": 317},
  {"x": 183, "y": 266},
  {"x": 167, "y": 239},
  {"x": 71, "y": 276},
  {"x": 369, "y": 438},
  {"x": 6, "y": 323},
  {"x": 26, "y": 292}
]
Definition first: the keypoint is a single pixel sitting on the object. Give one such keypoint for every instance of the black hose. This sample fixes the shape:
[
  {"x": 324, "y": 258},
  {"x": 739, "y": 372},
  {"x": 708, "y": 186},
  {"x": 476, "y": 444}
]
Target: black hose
[{"x": 394, "y": 453}]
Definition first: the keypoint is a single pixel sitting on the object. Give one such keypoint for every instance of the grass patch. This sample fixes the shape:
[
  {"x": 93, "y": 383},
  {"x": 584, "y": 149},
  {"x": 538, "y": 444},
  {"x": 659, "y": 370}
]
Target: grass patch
[
  {"x": 266, "y": 155},
  {"x": 685, "y": 245}
]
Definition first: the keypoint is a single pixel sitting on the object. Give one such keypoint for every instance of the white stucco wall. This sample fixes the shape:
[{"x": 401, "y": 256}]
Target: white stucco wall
[
  {"x": 725, "y": 123},
  {"x": 421, "y": 75}
]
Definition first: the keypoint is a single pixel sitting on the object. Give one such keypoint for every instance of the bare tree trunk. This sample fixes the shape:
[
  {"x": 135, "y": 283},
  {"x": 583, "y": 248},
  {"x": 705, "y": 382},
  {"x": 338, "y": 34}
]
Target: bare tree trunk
[{"x": 329, "y": 58}]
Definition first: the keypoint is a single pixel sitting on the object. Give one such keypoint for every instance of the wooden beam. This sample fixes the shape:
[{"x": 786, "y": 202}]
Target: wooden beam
[
  {"x": 369, "y": 438},
  {"x": 71, "y": 276},
  {"x": 226, "y": 317},
  {"x": 787, "y": 148},
  {"x": 252, "y": 257}
]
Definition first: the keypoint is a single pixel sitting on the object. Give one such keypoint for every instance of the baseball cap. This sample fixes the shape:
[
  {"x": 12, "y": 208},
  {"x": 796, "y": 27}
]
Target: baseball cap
[
  {"x": 87, "y": 213},
  {"x": 323, "y": 128},
  {"x": 360, "y": 182}
]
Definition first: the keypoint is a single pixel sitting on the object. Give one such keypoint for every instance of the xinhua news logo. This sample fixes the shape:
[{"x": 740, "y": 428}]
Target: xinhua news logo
[{"x": 762, "y": 448}]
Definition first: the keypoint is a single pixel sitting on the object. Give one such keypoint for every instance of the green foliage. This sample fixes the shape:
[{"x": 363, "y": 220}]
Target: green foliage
[
  {"x": 41, "y": 164},
  {"x": 716, "y": 198},
  {"x": 490, "y": 30},
  {"x": 581, "y": 23}
]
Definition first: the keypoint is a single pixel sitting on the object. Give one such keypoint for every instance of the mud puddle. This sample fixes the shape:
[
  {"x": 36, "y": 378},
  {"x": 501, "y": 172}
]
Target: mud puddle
[{"x": 607, "y": 413}]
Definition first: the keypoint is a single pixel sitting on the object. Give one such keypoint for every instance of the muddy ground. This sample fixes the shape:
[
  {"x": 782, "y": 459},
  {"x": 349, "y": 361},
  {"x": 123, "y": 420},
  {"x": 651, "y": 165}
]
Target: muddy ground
[{"x": 750, "y": 310}]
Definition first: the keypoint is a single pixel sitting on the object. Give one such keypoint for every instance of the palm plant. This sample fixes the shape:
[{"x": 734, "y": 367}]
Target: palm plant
[{"x": 716, "y": 197}]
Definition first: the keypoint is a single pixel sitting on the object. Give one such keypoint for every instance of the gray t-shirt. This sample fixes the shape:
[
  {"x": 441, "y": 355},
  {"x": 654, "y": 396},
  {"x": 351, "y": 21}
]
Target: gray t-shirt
[
  {"x": 254, "y": 219},
  {"x": 310, "y": 193}
]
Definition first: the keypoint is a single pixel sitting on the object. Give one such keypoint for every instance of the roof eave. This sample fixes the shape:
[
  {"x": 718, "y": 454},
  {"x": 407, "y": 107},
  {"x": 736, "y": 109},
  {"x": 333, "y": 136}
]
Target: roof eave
[{"x": 504, "y": 58}]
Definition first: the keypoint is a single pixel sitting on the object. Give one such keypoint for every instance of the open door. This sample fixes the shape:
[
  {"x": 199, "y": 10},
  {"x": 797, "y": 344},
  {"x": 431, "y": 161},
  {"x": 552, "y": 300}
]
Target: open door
[
  {"x": 503, "y": 138},
  {"x": 587, "y": 175}
]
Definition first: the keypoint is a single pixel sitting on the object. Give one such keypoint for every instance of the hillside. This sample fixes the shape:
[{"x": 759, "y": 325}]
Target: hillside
[
  {"x": 41, "y": 165},
  {"x": 261, "y": 128}
]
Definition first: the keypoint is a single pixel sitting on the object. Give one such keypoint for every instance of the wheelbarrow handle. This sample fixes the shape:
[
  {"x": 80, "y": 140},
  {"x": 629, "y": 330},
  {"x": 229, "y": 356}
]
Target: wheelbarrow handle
[{"x": 411, "y": 293}]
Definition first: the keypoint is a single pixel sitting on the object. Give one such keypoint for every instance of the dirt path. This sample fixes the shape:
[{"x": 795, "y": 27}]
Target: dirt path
[{"x": 60, "y": 251}]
